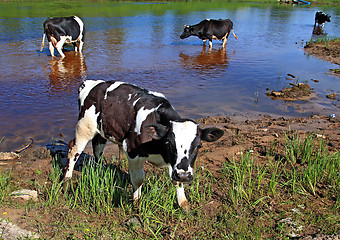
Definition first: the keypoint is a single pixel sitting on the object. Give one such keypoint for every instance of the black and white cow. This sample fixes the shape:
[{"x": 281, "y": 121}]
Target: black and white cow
[
  {"x": 209, "y": 29},
  {"x": 321, "y": 18},
  {"x": 145, "y": 124},
  {"x": 64, "y": 30}
]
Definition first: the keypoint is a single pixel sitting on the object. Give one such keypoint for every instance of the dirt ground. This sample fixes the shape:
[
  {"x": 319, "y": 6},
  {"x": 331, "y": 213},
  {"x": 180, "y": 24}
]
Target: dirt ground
[
  {"x": 329, "y": 51},
  {"x": 241, "y": 133}
]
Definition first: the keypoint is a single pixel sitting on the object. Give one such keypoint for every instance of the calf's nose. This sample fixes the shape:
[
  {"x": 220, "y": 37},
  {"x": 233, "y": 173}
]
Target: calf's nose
[{"x": 182, "y": 176}]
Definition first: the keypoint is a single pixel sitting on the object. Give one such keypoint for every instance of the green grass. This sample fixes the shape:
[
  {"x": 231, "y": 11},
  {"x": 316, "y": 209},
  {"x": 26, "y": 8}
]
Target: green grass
[
  {"x": 4, "y": 184},
  {"x": 4, "y": 181},
  {"x": 251, "y": 197},
  {"x": 322, "y": 39}
]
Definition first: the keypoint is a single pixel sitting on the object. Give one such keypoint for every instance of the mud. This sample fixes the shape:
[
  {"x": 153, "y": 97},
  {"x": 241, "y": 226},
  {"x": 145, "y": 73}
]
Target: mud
[{"x": 328, "y": 51}]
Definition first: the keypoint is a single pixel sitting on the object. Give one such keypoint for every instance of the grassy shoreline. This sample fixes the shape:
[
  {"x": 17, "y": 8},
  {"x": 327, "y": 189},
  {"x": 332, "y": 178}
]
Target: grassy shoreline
[{"x": 291, "y": 190}]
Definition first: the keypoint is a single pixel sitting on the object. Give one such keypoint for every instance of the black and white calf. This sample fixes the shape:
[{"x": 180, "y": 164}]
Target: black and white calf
[
  {"x": 321, "y": 18},
  {"x": 64, "y": 30},
  {"x": 210, "y": 29},
  {"x": 145, "y": 124}
]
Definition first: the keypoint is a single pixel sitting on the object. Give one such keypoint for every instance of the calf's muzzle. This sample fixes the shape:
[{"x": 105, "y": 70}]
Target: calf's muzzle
[{"x": 185, "y": 177}]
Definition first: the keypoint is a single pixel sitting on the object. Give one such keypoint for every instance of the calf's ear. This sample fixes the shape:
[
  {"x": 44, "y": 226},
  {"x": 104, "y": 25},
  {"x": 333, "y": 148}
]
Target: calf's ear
[
  {"x": 156, "y": 131},
  {"x": 211, "y": 134}
]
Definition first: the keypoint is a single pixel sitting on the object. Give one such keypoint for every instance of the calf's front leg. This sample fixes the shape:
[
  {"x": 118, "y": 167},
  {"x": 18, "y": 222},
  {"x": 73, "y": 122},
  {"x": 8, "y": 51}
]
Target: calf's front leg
[
  {"x": 181, "y": 198},
  {"x": 180, "y": 194},
  {"x": 50, "y": 46},
  {"x": 137, "y": 176}
]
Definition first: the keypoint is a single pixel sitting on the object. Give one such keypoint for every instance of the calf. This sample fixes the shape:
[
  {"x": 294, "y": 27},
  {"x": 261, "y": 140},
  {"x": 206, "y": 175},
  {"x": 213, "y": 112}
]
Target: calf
[
  {"x": 321, "y": 18},
  {"x": 209, "y": 29},
  {"x": 64, "y": 30},
  {"x": 145, "y": 124}
]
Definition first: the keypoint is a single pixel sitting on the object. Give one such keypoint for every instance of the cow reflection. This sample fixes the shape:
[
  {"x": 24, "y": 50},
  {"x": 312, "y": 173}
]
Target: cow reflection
[
  {"x": 207, "y": 60},
  {"x": 318, "y": 30},
  {"x": 67, "y": 72}
]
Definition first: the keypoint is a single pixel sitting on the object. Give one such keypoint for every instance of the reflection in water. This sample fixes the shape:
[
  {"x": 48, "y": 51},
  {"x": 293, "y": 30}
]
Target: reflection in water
[
  {"x": 67, "y": 71},
  {"x": 318, "y": 30},
  {"x": 207, "y": 61},
  {"x": 140, "y": 44}
]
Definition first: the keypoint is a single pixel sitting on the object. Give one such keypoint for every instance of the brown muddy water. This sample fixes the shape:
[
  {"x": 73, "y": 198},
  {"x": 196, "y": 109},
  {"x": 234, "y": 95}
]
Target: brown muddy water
[{"x": 140, "y": 44}]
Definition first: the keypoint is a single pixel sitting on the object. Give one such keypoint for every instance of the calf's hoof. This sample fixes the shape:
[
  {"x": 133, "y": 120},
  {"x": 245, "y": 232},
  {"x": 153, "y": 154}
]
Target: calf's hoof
[{"x": 185, "y": 206}]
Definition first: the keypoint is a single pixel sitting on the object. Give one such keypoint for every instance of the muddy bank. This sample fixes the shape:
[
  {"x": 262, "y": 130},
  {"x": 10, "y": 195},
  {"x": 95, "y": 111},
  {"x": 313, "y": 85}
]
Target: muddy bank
[
  {"x": 328, "y": 51},
  {"x": 34, "y": 165}
]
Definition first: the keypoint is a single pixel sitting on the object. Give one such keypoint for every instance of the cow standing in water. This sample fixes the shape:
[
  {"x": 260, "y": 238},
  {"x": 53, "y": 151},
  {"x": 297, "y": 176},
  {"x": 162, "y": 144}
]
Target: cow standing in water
[
  {"x": 319, "y": 24},
  {"x": 321, "y": 18},
  {"x": 210, "y": 29},
  {"x": 64, "y": 30},
  {"x": 145, "y": 124}
]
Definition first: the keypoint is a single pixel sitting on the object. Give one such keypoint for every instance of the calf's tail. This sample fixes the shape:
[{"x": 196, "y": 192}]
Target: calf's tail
[
  {"x": 42, "y": 43},
  {"x": 234, "y": 34}
]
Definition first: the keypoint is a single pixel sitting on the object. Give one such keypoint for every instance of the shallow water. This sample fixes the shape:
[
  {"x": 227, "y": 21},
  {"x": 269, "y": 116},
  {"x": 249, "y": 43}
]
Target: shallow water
[{"x": 139, "y": 43}]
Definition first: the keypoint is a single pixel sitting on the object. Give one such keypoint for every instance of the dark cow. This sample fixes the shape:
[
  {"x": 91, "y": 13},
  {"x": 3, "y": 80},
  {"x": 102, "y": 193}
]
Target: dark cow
[
  {"x": 210, "y": 29},
  {"x": 321, "y": 18},
  {"x": 64, "y": 30},
  {"x": 147, "y": 127}
]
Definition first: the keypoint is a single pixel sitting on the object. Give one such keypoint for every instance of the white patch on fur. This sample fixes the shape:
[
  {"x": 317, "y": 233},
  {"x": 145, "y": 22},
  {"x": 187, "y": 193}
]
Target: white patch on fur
[
  {"x": 142, "y": 114},
  {"x": 81, "y": 27},
  {"x": 124, "y": 145},
  {"x": 157, "y": 94},
  {"x": 112, "y": 87},
  {"x": 135, "y": 102},
  {"x": 130, "y": 95},
  {"x": 185, "y": 133},
  {"x": 84, "y": 90},
  {"x": 86, "y": 129}
]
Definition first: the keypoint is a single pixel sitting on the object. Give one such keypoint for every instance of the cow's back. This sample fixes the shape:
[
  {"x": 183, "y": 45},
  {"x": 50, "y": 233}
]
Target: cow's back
[
  {"x": 221, "y": 27},
  {"x": 64, "y": 26},
  {"x": 124, "y": 110}
]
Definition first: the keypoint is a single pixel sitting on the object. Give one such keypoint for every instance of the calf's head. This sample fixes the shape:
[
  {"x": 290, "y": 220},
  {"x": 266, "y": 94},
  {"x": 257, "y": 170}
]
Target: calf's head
[
  {"x": 180, "y": 143},
  {"x": 187, "y": 32}
]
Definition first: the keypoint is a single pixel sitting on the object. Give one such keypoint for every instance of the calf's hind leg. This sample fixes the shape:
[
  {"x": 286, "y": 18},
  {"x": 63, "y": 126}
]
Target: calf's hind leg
[{"x": 85, "y": 131}]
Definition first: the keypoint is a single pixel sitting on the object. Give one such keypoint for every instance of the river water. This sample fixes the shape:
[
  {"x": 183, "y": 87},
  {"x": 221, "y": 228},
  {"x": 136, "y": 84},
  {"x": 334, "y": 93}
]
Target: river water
[{"x": 139, "y": 43}]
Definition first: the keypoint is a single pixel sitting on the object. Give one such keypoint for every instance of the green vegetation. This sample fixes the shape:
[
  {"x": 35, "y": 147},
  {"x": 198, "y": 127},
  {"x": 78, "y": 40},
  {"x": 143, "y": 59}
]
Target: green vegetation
[
  {"x": 323, "y": 39},
  {"x": 44, "y": 9},
  {"x": 291, "y": 191}
]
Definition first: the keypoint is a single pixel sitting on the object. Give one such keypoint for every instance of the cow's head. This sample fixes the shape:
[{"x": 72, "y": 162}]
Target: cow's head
[
  {"x": 322, "y": 17},
  {"x": 187, "y": 32},
  {"x": 180, "y": 143}
]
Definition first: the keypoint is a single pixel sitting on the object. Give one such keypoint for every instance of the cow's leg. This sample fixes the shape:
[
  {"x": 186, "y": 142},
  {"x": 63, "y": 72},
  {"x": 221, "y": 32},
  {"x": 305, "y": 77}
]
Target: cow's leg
[
  {"x": 204, "y": 41},
  {"x": 50, "y": 45},
  {"x": 137, "y": 176},
  {"x": 81, "y": 43},
  {"x": 224, "y": 42},
  {"x": 98, "y": 145},
  {"x": 75, "y": 45},
  {"x": 86, "y": 129},
  {"x": 59, "y": 46},
  {"x": 210, "y": 42},
  {"x": 181, "y": 198},
  {"x": 225, "y": 39}
]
